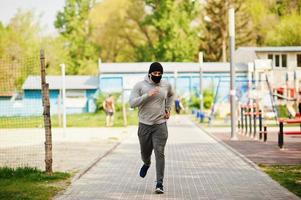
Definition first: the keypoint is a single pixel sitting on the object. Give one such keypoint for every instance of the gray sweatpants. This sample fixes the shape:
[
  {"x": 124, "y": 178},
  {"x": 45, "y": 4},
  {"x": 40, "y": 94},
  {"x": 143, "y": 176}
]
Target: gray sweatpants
[{"x": 153, "y": 137}]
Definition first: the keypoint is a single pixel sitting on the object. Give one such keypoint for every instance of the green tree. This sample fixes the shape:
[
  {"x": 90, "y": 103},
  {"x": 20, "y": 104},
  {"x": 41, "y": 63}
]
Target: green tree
[
  {"x": 19, "y": 47},
  {"x": 175, "y": 34},
  {"x": 20, "y": 43},
  {"x": 215, "y": 36},
  {"x": 285, "y": 7},
  {"x": 55, "y": 54},
  {"x": 262, "y": 17},
  {"x": 117, "y": 29},
  {"x": 276, "y": 22},
  {"x": 22, "y": 36},
  {"x": 74, "y": 25},
  {"x": 286, "y": 32}
]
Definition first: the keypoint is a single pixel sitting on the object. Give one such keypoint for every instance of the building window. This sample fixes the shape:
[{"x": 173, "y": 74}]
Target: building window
[
  {"x": 298, "y": 60},
  {"x": 284, "y": 60},
  {"x": 270, "y": 57},
  {"x": 277, "y": 62}
]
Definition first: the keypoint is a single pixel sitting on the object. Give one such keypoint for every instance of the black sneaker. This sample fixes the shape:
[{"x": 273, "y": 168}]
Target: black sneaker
[
  {"x": 159, "y": 188},
  {"x": 143, "y": 170}
]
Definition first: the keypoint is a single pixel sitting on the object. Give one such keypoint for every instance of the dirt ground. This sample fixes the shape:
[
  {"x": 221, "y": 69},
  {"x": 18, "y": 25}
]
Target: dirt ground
[{"x": 73, "y": 149}]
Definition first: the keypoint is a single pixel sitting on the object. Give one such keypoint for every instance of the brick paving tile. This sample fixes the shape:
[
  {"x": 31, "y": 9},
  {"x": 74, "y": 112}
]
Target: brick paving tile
[
  {"x": 197, "y": 167},
  {"x": 260, "y": 152}
]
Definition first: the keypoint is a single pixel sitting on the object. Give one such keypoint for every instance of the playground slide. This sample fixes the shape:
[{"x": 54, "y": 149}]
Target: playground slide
[
  {"x": 271, "y": 97},
  {"x": 291, "y": 110},
  {"x": 284, "y": 97}
]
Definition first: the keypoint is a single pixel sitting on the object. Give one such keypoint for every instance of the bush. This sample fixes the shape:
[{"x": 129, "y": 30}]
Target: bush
[
  {"x": 208, "y": 99},
  {"x": 194, "y": 101}
]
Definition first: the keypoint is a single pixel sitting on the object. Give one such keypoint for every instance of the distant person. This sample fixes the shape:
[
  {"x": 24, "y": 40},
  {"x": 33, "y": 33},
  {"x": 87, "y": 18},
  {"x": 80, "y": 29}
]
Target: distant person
[
  {"x": 178, "y": 105},
  {"x": 109, "y": 107},
  {"x": 154, "y": 98}
]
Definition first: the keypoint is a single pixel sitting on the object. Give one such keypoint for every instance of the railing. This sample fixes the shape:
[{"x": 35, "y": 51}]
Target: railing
[
  {"x": 247, "y": 124},
  {"x": 282, "y": 132}
]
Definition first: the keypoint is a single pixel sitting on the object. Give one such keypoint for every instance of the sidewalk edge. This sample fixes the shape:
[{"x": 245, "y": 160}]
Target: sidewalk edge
[{"x": 98, "y": 159}]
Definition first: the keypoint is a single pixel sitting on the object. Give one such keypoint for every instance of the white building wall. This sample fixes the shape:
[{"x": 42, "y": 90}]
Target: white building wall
[
  {"x": 292, "y": 59},
  {"x": 279, "y": 73}
]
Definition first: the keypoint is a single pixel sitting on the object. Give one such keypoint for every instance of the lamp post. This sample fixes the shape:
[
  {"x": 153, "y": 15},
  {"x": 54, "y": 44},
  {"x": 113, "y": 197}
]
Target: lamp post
[
  {"x": 175, "y": 81},
  {"x": 99, "y": 68},
  {"x": 201, "y": 81},
  {"x": 232, "y": 73},
  {"x": 64, "y": 97}
]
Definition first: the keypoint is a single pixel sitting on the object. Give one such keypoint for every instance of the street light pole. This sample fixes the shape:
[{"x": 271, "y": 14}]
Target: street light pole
[
  {"x": 175, "y": 82},
  {"x": 64, "y": 97},
  {"x": 99, "y": 72},
  {"x": 201, "y": 81},
  {"x": 232, "y": 72}
]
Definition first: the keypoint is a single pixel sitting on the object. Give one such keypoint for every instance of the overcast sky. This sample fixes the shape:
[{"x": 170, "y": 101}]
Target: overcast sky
[{"x": 46, "y": 8}]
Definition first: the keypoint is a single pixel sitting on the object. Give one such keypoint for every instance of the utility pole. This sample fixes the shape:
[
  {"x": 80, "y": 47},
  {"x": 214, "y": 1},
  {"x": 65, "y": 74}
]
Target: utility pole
[
  {"x": 232, "y": 72},
  {"x": 175, "y": 82},
  {"x": 99, "y": 72},
  {"x": 201, "y": 61},
  {"x": 64, "y": 97}
]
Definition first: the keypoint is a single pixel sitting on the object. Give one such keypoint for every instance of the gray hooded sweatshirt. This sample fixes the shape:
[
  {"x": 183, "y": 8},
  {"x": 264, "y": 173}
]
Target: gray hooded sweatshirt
[{"x": 151, "y": 110}]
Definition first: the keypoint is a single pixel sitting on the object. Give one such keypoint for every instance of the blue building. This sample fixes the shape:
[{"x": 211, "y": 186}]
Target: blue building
[
  {"x": 79, "y": 96},
  {"x": 120, "y": 77},
  {"x": 183, "y": 76}
]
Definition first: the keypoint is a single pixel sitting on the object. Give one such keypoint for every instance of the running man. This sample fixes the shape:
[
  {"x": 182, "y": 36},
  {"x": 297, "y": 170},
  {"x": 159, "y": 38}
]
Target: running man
[{"x": 154, "y": 98}]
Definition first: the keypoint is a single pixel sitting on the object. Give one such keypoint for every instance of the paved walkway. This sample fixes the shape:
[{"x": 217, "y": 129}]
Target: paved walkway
[{"x": 197, "y": 167}]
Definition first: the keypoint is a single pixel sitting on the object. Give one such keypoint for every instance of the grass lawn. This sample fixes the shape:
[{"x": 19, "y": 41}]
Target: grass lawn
[
  {"x": 289, "y": 176},
  {"x": 74, "y": 120},
  {"x": 99, "y": 119},
  {"x": 30, "y": 183}
]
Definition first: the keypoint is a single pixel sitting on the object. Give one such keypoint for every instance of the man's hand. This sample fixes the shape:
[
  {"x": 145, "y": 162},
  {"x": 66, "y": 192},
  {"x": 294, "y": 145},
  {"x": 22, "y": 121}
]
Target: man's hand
[
  {"x": 153, "y": 92},
  {"x": 167, "y": 114}
]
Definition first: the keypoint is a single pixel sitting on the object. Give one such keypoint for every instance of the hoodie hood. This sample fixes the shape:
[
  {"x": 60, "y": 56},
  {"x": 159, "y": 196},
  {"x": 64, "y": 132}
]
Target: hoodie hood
[{"x": 147, "y": 79}]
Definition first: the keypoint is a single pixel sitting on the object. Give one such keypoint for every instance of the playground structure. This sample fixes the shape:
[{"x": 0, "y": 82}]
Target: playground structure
[
  {"x": 267, "y": 92},
  {"x": 265, "y": 87}
]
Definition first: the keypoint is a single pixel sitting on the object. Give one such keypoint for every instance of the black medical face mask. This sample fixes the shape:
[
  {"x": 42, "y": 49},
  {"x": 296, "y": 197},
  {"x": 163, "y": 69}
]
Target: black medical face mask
[{"x": 156, "y": 79}]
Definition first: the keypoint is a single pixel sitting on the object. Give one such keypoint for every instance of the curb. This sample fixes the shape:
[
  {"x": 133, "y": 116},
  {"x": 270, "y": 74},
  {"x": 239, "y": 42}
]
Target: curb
[
  {"x": 98, "y": 159},
  {"x": 93, "y": 163},
  {"x": 90, "y": 166},
  {"x": 85, "y": 170}
]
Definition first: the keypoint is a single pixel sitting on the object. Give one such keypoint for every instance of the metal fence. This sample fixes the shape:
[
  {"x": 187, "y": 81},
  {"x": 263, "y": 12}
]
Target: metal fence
[{"x": 22, "y": 133}]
